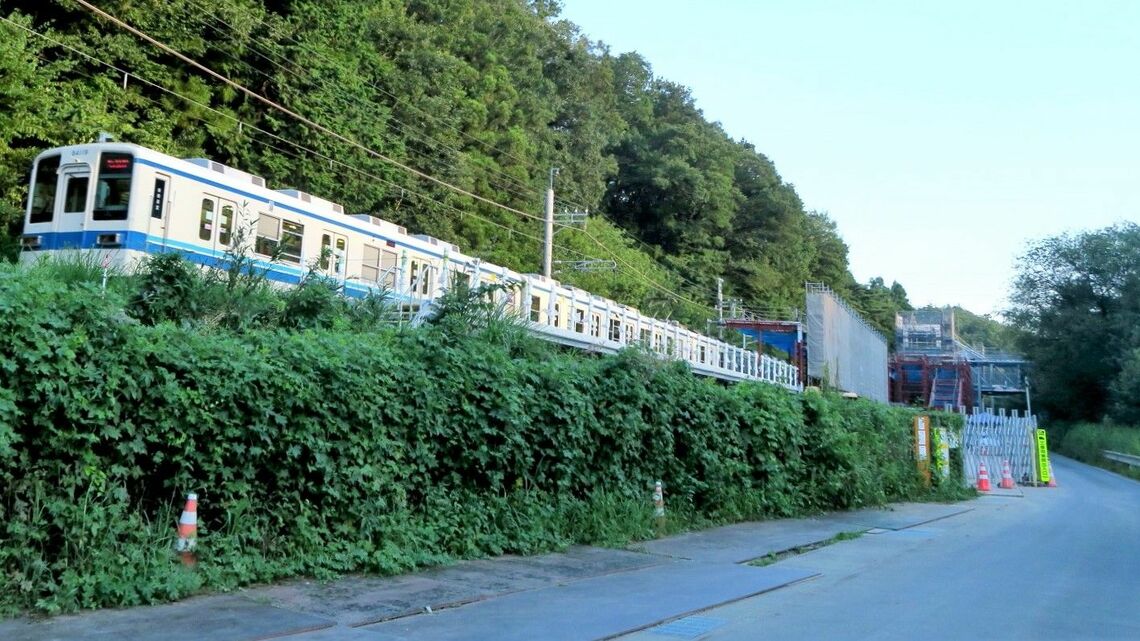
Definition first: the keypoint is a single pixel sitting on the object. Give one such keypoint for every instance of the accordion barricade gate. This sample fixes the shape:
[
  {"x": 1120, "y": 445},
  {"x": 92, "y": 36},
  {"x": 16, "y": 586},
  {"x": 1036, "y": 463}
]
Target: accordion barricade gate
[{"x": 995, "y": 439}]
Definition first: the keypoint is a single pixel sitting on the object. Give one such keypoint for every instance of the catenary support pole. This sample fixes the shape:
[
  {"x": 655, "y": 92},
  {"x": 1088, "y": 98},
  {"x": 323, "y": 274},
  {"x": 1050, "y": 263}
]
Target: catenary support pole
[{"x": 548, "y": 240}]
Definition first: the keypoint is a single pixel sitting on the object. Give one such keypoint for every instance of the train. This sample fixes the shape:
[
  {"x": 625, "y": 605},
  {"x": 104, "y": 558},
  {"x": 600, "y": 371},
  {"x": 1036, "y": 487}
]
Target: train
[{"x": 122, "y": 202}]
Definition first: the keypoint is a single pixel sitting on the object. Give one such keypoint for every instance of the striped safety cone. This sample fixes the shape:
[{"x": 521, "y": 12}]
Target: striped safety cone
[
  {"x": 983, "y": 478},
  {"x": 1052, "y": 479},
  {"x": 1006, "y": 476},
  {"x": 188, "y": 531},
  {"x": 659, "y": 508}
]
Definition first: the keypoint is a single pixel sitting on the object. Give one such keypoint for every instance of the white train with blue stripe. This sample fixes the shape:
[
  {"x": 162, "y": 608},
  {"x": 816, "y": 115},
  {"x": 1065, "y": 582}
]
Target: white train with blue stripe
[{"x": 123, "y": 201}]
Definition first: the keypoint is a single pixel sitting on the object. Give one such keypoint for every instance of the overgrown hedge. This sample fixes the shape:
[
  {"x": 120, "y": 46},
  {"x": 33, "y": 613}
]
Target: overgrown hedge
[{"x": 324, "y": 452}]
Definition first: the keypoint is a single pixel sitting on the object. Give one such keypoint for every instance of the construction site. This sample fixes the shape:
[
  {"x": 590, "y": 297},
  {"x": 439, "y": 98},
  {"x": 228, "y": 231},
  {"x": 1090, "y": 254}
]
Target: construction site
[
  {"x": 932, "y": 366},
  {"x": 833, "y": 346}
]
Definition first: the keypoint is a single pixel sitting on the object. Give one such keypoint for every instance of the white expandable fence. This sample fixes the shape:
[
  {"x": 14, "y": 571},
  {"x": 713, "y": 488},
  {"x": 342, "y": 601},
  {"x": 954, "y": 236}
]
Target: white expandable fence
[{"x": 993, "y": 439}]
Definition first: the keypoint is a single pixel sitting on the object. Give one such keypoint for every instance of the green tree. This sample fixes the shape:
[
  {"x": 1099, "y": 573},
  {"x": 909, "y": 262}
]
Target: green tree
[{"x": 1075, "y": 296}]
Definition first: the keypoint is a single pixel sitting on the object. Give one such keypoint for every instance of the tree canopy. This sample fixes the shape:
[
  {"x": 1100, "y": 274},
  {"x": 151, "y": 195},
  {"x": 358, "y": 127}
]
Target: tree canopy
[
  {"x": 487, "y": 95},
  {"x": 1077, "y": 296}
]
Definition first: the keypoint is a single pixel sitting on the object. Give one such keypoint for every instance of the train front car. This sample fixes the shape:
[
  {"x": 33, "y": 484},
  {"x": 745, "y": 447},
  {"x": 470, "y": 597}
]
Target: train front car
[{"x": 88, "y": 200}]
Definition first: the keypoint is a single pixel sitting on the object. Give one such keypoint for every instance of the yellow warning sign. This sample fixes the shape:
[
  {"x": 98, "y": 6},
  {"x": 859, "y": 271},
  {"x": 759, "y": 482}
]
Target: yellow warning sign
[{"x": 1042, "y": 457}]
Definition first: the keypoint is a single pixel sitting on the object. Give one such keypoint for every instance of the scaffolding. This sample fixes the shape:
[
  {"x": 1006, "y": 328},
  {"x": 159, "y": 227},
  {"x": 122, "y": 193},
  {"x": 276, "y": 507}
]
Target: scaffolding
[
  {"x": 935, "y": 367},
  {"x": 843, "y": 350}
]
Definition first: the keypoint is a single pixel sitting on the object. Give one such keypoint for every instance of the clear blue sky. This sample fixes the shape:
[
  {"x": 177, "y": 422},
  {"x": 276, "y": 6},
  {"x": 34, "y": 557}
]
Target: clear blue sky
[{"x": 941, "y": 136}]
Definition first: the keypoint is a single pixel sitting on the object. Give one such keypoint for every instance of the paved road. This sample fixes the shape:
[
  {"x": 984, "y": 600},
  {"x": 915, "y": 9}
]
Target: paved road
[{"x": 1061, "y": 563}]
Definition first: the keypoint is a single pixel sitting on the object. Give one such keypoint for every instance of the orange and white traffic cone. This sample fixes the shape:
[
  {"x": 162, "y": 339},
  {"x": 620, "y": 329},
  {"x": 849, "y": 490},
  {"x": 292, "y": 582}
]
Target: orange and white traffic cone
[
  {"x": 1006, "y": 477},
  {"x": 1052, "y": 479},
  {"x": 188, "y": 531},
  {"x": 983, "y": 478}
]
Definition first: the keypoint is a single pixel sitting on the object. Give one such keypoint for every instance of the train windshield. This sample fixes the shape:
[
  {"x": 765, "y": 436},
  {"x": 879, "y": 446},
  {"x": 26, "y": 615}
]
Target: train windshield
[
  {"x": 113, "y": 189},
  {"x": 43, "y": 191}
]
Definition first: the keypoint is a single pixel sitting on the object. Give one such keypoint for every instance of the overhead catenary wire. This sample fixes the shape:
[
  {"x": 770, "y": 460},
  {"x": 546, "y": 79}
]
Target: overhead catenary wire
[
  {"x": 529, "y": 191},
  {"x": 396, "y": 99},
  {"x": 311, "y": 152},
  {"x": 327, "y": 131},
  {"x": 500, "y": 179}
]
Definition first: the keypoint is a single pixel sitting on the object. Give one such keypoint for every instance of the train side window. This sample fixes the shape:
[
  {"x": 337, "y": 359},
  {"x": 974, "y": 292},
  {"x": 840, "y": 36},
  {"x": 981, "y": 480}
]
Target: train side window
[
  {"x": 645, "y": 336},
  {"x": 226, "y": 224},
  {"x": 702, "y": 353},
  {"x": 268, "y": 234},
  {"x": 419, "y": 278},
  {"x": 292, "y": 237},
  {"x": 206, "y": 220},
  {"x": 326, "y": 251},
  {"x": 580, "y": 321},
  {"x": 615, "y": 329},
  {"x": 388, "y": 262},
  {"x": 557, "y": 315},
  {"x": 370, "y": 266},
  {"x": 413, "y": 275},
  {"x": 43, "y": 191},
  {"x": 113, "y": 189},
  {"x": 75, "y": 200},
  {"x": 596, "y": 326},
  {"x": 341, "y": 252},
  {"x": 535, "y": 308}
]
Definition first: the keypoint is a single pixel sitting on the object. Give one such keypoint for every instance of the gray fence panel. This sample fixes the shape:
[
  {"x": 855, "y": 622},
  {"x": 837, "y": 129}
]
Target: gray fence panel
[{"x": 843, "y": 350}]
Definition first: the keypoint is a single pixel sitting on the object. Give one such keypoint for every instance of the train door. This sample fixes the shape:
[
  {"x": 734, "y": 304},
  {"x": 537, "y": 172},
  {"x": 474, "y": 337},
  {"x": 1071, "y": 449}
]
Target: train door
[
  {"x": 159, "y": 209},
  {"x": 334, "y": 252},
  {"x": 74, "y": 184}
]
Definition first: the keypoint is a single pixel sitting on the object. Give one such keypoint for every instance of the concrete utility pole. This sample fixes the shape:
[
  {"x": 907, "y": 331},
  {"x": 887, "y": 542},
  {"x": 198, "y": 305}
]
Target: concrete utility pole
[
  {"x": 720, "y": 300},
  {"x": 548, "y": 242}
]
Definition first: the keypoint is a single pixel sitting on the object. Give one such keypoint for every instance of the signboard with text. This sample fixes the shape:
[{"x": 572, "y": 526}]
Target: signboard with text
[
  {"x": 922, "y": 445},
  {"x": 943, "y": 452},
  {"x": 1042, "y": 457}
]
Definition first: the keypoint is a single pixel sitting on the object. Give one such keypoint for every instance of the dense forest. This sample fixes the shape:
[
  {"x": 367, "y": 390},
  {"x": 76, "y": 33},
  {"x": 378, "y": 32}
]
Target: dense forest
[{"x": 484, "y": 95}]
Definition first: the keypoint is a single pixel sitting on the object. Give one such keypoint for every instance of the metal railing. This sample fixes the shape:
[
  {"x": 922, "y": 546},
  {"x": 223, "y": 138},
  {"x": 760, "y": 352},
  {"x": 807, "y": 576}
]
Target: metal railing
[{"x": 1121, "y": 457}]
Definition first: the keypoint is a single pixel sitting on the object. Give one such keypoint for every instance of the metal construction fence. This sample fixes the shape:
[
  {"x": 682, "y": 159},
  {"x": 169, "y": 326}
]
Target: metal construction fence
[
  {"x": 843, "y": 350},
  {"x": 994, "y": 439}
]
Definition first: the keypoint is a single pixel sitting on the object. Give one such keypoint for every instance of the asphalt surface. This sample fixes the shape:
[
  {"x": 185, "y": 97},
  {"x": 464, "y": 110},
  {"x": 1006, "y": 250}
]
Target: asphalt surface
[{"x": 1058, "y": 563}]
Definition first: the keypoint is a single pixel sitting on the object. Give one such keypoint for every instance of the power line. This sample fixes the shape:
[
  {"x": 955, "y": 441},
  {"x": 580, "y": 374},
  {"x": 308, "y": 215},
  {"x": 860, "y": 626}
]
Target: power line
[
  {"x": 396, "y": 99},
  {"x": 312, "y": 152},
  {"x": 506, "y": 183},
  {"x": 128, "y": 74},
  {"x": 275, "y": 105},
  {"x": 293, "y": 114},
  {"x": 530, "y": 191},
  {"x": 423, "y": 197}
]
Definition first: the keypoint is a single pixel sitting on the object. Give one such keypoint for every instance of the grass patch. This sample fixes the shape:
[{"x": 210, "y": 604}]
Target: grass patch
[
  {"x": 775, "y": 557},
  {"x": 1086, "y": 442}
]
